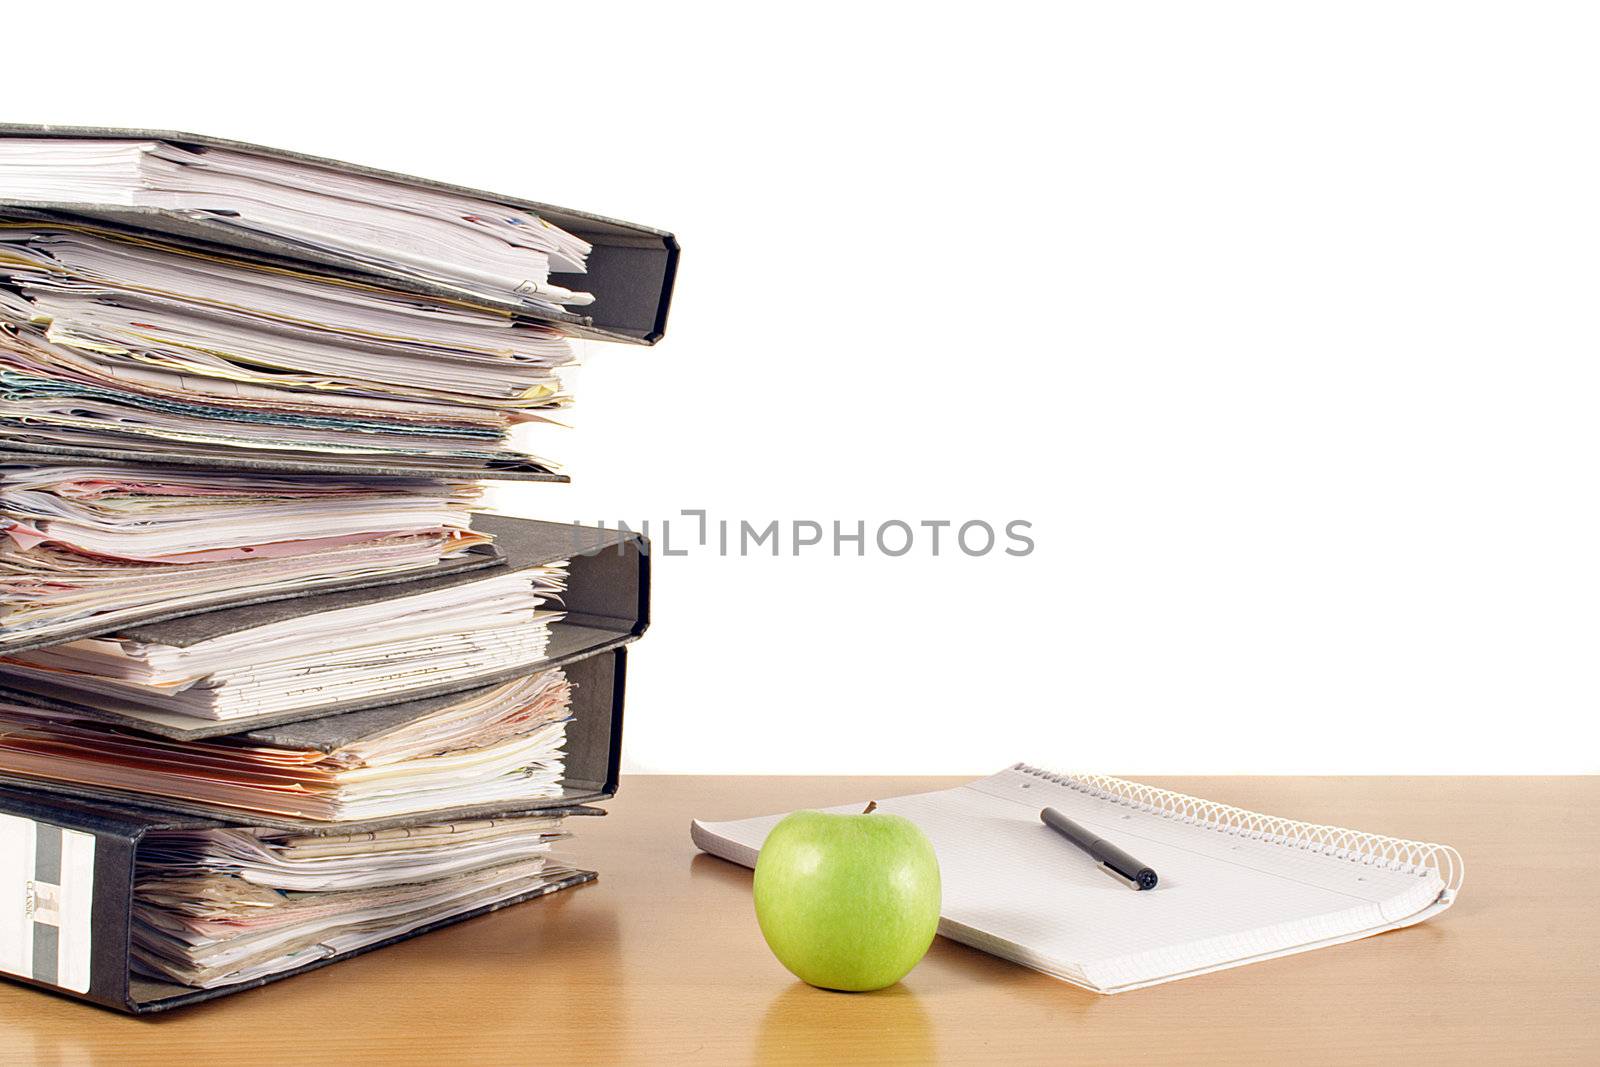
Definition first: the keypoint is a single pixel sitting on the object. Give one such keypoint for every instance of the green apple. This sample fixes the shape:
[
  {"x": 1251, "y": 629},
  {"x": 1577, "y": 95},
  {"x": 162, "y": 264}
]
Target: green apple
[{"x": 847, "y": 901}]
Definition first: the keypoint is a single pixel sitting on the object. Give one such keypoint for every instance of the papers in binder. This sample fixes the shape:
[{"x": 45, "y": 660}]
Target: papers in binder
[
  {"x": 392, "y": 646},
  {"x": 107, "y": 338},
  {"x": 218, "y": 907},
  {"x": 472, "y": 244},
  {"x": 499, "y": 745},
  {"x": 112, "y": 543}
]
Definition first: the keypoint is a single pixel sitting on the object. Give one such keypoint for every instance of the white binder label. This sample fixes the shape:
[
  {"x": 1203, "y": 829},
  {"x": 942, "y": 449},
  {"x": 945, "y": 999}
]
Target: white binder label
[{"x": 46, "y": 902}]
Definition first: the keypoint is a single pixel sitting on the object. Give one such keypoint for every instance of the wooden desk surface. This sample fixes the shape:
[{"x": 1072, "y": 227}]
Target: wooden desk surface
[{"x": 661, "y": 961}]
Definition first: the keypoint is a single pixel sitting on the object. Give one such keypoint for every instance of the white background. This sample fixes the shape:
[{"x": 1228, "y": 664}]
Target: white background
[{"x": 1277, "y": 321}]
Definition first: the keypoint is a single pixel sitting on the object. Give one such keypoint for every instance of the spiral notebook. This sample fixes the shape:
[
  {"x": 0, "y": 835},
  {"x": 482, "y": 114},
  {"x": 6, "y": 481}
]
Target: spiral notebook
[{"x": 1236, "y": 886}]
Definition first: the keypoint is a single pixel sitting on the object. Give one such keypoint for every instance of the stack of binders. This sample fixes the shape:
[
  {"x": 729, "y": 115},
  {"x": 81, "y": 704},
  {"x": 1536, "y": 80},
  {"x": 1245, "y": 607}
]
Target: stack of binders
[{"x": 271, "y": 692}]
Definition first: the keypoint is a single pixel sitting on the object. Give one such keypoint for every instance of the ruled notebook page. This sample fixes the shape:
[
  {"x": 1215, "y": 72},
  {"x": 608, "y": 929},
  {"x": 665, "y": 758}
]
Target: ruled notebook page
[{"x": 1017, "y": 889}]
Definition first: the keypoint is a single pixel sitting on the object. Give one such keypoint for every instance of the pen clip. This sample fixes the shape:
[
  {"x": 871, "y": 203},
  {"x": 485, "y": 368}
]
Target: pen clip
[
  {"x": 1143, "y": 878},
  {"x": 1122, "y": 879}
]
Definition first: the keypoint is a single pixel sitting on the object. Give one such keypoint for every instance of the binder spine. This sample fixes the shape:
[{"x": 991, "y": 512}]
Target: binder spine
[
  {"x": 609, "y": 587},
  {"x": 631, "y": 277},
  {"x": 1354, "y": 846},
  {"x": 68, "y": 891}
]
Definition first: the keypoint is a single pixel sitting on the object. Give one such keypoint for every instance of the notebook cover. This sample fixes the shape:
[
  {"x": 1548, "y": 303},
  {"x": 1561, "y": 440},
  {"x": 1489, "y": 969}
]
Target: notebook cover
[
  {"x": 593, "y": 756},
  {"x": 631, "y": 272},
  {"x": 607, "y": 603},
  {"x": 117, "y": 832}
]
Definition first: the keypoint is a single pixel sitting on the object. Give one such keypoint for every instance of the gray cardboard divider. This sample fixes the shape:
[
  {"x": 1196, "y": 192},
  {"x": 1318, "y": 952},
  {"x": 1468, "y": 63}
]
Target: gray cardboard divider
[
  {"x": 632, "y": 268},
  {"x": 21, "y": 451},
  {"x": 118, "y": 832}
]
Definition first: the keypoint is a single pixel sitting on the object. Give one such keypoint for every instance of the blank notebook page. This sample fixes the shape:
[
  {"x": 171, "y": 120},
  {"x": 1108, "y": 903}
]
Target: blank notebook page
[{"x": 1235, "y": 886}]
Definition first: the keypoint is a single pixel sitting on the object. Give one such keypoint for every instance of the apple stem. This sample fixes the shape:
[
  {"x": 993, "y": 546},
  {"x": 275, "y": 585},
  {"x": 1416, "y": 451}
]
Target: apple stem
[{"x": 872, "y": 806}]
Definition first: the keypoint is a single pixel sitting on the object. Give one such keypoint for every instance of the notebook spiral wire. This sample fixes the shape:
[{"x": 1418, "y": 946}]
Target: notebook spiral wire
[{"x": 1375, "y": 850}]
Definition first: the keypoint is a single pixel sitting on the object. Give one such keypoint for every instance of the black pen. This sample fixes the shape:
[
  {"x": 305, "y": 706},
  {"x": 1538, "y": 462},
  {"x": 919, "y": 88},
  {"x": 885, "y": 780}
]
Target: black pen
[{"x": 1103, "y": 852}]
